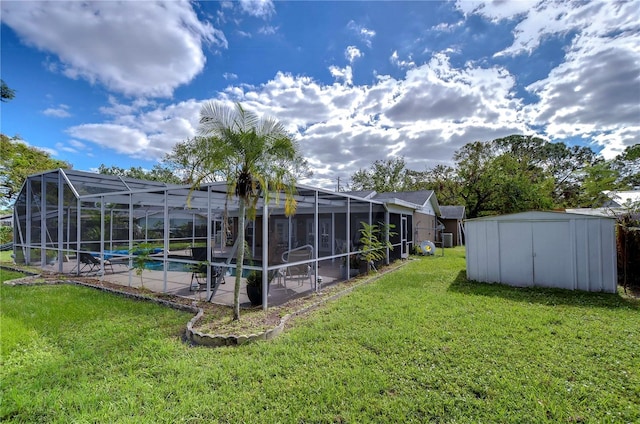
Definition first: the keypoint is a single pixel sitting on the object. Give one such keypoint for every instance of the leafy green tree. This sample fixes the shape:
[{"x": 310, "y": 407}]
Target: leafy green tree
[
  {"x": 564, "y": 164},
  {"x": 628, "y": 166},
  {"x": 17, "y": 162},
  {"x": 444, "y": 181},
  {"x": 388, "y": 175},
  {"x": 472, "y": 168},
  {"x": 256, "y": 155},
  {"x": 187, "y": 159},
  {"x": 503, "y": 176},
  {"x": 158, "y": 173},
  {"x": 517, "y": 186},
  {"x": 6, "y": 93},
  {"x": 599, "y": 177}
]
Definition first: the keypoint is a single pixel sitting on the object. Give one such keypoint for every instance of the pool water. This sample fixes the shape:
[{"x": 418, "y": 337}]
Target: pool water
[
  {"x": 183, "y": 267},
  {"x": 172, "y": 266}
]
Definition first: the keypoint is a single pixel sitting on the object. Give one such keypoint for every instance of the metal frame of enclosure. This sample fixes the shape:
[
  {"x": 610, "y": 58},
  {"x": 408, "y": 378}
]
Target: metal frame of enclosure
[{"x": 61, "y": 214}]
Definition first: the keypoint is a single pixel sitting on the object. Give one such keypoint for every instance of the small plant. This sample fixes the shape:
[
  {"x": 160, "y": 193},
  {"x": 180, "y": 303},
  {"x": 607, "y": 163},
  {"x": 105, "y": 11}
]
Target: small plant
[
  {"x": 141, "y": 256},
  {"x": 6, "y": 234},
  {"x": 254, "y": 279},
  {"x": 254, "y": 286},
  {"x": 373, "y": 246}
]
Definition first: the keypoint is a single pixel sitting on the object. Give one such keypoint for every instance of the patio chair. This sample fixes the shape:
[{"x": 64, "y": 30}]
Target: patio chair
[
  {"x": 199, "y": 271},
  {"x": 299, "y": 272},
  {"x": 93, "y": 263}
]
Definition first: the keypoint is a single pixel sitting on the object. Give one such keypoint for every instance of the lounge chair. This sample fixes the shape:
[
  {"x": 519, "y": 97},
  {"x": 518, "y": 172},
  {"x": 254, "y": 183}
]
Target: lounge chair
[{"x": 89, "y": 261}]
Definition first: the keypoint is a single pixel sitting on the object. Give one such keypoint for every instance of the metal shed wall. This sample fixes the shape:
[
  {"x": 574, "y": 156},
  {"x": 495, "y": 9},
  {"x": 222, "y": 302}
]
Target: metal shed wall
[{"x": 545, "y": 249}]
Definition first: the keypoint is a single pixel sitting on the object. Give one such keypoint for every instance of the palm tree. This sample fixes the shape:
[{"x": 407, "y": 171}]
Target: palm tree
[{"x": 257, "y": 156}]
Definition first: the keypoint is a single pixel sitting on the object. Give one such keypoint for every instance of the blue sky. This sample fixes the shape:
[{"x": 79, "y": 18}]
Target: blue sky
[{"x": 120, "y": 83}]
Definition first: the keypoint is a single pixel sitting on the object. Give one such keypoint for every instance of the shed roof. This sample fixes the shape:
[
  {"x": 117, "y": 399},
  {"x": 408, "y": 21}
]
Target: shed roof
[
  {"x": 537, "y": 216},
  {"x": 452, "y": 212}
]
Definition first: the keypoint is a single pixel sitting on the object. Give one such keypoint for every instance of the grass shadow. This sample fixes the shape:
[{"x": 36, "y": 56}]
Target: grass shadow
[{"x": 540, "y": 295}]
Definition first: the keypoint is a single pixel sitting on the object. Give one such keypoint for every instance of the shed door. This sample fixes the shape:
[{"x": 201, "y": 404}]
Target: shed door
[
  {"x": 516, "y": 253},
  {"x": 552, "y": 254}
]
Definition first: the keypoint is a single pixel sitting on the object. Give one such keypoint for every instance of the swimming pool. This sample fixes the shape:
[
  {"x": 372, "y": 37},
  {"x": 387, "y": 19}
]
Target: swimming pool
[{"x": 171, "y": 266}]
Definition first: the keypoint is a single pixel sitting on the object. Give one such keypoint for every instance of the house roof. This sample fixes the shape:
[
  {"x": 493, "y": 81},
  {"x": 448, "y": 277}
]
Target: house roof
[
  {"x": 410, "y": 199},
  {"x": 417, "y": 197},
  {"x": 452, "y": 212},
  {"x": 421, "y": 198},
  {"x": 621, "y": 198},
  {"x": 365, "y": 194}
]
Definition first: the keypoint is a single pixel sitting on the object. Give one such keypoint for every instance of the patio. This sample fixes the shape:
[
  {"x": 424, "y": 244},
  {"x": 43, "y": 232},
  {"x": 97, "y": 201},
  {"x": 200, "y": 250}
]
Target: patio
[
  {"x": 179, "y": 283},
  {"x": 108, "y": 219}
]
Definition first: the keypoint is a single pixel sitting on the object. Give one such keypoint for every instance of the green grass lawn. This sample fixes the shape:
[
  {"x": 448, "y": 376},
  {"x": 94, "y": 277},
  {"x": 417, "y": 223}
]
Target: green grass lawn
[
  {"x": 418, "y": 345},
  {"x": 5, "y": 256}
]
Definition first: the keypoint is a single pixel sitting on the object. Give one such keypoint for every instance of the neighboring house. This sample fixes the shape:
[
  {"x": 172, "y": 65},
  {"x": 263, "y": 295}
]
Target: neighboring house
[
  {"x": 620, "y": 199},
  {"x": 425, "y": 214},
  {"x": 619, "y": 203},
  {"x": 453, "y": 219},
  {"x": 422, "y": 207}
]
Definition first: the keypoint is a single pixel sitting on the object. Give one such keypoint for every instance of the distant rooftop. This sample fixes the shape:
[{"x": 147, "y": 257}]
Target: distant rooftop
[
  {"x": 452, "y": 212},
  {"x": 620, "y": 198},
  {"x": 416, "y": 197}
]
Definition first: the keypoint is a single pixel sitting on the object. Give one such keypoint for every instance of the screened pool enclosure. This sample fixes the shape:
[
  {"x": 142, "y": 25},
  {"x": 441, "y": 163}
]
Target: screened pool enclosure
[{"x": 81, "y": 223}]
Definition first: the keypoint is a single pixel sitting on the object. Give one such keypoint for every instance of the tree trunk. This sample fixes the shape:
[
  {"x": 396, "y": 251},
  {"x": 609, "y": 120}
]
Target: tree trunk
[{"x": 239, "y": 258}]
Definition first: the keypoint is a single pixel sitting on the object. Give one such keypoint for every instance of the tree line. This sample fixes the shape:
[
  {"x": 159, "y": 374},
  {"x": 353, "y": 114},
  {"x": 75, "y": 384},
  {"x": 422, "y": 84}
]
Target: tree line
[
  {"x": 511, "y": 174},
  {"x": 506, "y": 175}
]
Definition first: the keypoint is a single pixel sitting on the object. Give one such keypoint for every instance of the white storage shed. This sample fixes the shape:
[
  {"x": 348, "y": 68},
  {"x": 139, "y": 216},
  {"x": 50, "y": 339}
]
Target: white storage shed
[{"x": 544, "y": 249}]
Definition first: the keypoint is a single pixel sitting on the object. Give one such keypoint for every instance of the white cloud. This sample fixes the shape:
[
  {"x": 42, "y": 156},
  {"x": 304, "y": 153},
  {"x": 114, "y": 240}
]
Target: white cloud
[
  {"x": 496, "y": 10},
  {"x": 116, "y": 108},
  {"x": 77, "y": 144},
  {"x": 146, "y": 134},
  {"x": 258, "y": 8},
  {"x": 135, "y": 48},
  {"x": 395, "y": 60},
  {"x": 66, "y": 148},
  {"x": 424, "y": 115},
  {"x": 345, "y": 74},
  {"x": 365, "y": 34},
  {"x": 434, "y": 110},
  {"x": 120, "y": 138},
  {"x": 594, "y": 93},
  {"x": 447, "y": 27},
  {"x": 51, "y": 152},
  {"x": 267, "y": 30},
  {"x": 352, "y": 53},
  {"x": 230, "y": 76},
  {"x": 541, "y": 19},
  {"x": 62, "y": 111}
]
